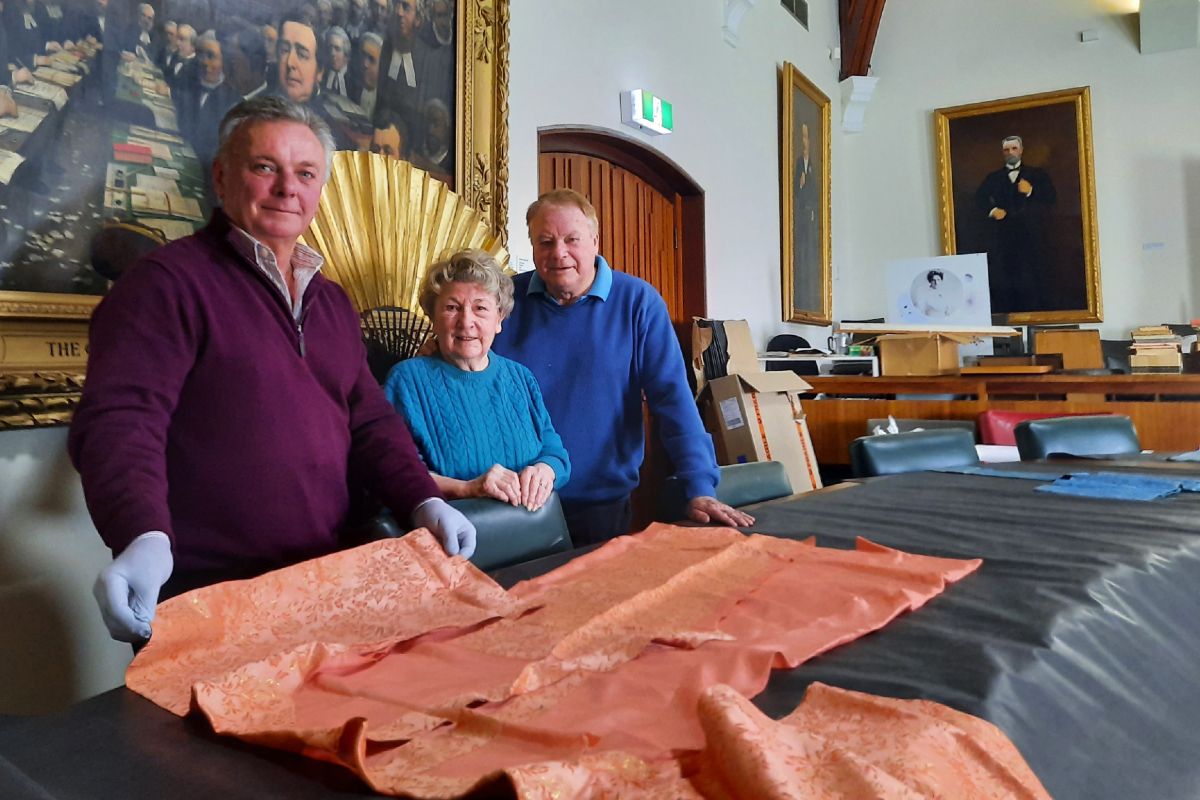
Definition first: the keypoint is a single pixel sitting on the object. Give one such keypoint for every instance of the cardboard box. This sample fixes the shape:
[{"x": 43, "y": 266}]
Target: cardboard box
[
  {"x": 920, "y": 353},
  {"x": 737, "y": 351},
  {"x": 757, "y": 416}
]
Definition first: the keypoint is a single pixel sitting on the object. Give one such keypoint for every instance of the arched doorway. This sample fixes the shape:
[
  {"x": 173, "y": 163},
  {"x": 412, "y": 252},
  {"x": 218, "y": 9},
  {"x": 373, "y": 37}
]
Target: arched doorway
[{"x": 651, "y": 225}]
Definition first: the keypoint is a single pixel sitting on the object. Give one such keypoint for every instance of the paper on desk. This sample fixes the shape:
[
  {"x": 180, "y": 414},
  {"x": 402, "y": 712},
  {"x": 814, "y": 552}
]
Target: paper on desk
[
  {"x": 157, "y": 149},
  {"x": 9, "y": 161},
  {"x": 55, "y": 76},
  {"x": 150, "y": 133},
  {"x": 46, "y": 91},
  {"x": 166, "y": 172},
  {"x": 164, "y": 118},
  {"x": 152, "y": 202},
  {"x": 157, "y": 183},
  {"x": 26, "y": 121},
  {"x": 172, "y": 229}
]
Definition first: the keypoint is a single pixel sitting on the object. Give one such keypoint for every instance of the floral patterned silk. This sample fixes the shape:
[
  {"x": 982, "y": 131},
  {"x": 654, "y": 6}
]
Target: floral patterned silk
[{"x": 427, "y": 679}]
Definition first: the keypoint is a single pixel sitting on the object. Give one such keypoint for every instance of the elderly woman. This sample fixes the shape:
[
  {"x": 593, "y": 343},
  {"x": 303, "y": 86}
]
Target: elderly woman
[{"x": 477, "y": 417}]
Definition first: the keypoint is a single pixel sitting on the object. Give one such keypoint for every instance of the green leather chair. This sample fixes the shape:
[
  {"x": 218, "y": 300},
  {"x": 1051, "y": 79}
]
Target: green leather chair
[
  {"x": 740, "y": 485},
  {"x": 912, "y": 452},
  {"x": 507, "y": 534},
  {"x": 1102, "y": 435}
]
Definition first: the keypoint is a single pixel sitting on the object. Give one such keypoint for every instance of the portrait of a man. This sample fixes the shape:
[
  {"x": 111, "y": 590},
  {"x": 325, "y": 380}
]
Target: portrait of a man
[
  {"x": 1016, "y": 179},
  {"x": 805, "y": 201}
]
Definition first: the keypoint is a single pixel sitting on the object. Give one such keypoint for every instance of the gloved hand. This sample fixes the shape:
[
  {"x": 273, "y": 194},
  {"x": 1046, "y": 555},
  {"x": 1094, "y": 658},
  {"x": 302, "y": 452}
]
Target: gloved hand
[
  {"x": 127, "y": 589},
  {"x": 452, "y": 529}
]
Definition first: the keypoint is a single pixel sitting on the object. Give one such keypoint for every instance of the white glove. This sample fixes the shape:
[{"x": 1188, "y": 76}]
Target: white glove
[
  {"x": 127, "y": 589},
  {"x": 452, "y": 529}
]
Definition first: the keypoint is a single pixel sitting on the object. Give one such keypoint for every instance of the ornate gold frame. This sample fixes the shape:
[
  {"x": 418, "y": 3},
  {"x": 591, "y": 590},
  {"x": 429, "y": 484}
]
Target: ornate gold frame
[
  {"x": 1080, "y": 100},
  {"x": 43, "y": 337},
  {"x": 795, "y": 89}
]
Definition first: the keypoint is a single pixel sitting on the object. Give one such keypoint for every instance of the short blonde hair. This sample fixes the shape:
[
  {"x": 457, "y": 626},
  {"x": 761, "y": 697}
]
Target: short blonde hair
[
  {"x": 468, "y": 266},
  {"x": 564, "y": 198}
]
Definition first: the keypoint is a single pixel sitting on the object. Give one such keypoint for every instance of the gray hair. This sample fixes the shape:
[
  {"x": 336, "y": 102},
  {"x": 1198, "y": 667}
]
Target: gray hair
[
  {"x": 209, "y": 36},
  {"x": 373, "y": 37},
  {"x": 337, "y": 32},
  {"x": 188, "y": 32},
  {"x": 468, "y": 266},
  {"x": 1016, "y": 139},
  {"x": 274, "y": 109}
]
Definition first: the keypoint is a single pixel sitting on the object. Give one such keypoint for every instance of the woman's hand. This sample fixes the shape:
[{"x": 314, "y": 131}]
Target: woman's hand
[
  {"x": 500, "y": 483},
  {"x": 537, "y": 482}
]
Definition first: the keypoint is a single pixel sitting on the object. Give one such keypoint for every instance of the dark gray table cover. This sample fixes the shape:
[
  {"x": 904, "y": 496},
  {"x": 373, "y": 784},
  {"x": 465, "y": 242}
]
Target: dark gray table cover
[{"x": 1079, "y": 637}]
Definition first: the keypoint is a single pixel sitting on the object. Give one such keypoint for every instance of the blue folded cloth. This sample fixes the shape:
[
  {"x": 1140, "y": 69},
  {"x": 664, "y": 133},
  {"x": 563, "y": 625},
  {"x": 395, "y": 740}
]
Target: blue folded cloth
[
  {"x": 1193, "y": 455},
  {"x": 992, "y": 472},
  {"x": 1115, "y": 486}
]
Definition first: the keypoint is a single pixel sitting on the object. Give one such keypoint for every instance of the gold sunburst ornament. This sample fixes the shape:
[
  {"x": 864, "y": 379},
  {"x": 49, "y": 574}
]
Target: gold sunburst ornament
[{"x": 381, "y": 223}]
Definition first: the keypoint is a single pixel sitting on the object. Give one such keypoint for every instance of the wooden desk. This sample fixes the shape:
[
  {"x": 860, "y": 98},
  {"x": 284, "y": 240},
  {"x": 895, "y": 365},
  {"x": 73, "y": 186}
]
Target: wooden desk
[{"x": 1165, "y": 409}]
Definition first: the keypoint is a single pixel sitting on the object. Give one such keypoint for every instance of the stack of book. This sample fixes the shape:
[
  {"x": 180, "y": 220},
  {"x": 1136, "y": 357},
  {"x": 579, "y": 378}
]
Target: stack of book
[{"x": 1155, "y": 349}]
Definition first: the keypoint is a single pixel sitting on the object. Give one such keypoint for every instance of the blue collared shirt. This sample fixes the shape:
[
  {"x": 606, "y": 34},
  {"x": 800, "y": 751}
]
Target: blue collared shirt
[{"x": 601, "y": 284}]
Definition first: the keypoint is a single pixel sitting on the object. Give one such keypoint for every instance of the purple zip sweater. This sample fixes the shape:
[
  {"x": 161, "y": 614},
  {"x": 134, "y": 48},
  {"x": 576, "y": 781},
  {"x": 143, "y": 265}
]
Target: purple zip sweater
[{"x": 211, "y": 414}]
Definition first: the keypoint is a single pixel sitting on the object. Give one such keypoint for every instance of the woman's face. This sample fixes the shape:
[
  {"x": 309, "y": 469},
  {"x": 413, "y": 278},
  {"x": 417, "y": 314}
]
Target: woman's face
[{"x": 466, "y": 319}]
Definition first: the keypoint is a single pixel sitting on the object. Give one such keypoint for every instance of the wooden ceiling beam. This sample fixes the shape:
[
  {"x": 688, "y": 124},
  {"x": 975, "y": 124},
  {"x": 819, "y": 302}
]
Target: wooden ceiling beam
[{"x": 859, "y": 22}]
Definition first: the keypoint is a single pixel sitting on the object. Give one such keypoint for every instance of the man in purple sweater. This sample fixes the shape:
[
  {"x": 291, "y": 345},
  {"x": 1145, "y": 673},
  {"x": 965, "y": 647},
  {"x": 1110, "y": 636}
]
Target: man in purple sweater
[{"x": 228, "y": 406}]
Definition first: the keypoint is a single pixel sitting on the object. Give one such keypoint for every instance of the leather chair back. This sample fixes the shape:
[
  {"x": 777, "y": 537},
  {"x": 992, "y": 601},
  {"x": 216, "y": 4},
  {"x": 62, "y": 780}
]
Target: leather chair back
[
  {"x": 740, "y": 485},
  {"x": 509, "y": 534},
  {"x": 1108, "y": 434},
  {"x": 912, "y": 452}
]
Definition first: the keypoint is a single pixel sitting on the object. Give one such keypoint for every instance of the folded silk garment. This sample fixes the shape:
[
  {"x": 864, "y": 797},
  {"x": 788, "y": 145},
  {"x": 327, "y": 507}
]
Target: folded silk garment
[
  {"x": 1114, "y": 486},
  {"x": 418, "y": 673}
]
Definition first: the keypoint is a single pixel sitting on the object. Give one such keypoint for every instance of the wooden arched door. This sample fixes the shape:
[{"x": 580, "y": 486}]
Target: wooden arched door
[{"x": 651, "y": 225}]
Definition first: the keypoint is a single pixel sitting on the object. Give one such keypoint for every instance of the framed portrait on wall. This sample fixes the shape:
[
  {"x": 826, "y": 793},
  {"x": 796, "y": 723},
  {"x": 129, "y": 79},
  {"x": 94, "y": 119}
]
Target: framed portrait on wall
[
  {"x": 804, "y": 200},
  {"x": 107, "y": 145},
  {"x": 1016, "y": 180}
]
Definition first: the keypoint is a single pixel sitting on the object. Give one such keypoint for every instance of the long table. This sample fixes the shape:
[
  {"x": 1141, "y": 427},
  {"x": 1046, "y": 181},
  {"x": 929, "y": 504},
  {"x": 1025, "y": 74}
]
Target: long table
[
  {"x": 1164, "y": 408},
  {"x": 1079, "y": 637}
]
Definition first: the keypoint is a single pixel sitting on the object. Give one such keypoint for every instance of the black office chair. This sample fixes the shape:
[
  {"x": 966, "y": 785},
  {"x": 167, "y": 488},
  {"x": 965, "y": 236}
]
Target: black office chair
[
  {"x": 1107, "y": 434},
  {"x": 786, "y": 342},
  {"x": 505, "y": 534},
  {"x": 740, "y": 485},
  {"x": 912, "y": 452}
]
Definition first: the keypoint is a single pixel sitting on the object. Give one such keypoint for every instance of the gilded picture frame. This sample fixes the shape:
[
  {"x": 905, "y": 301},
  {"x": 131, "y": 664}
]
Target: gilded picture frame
[
  {"x": 1036, "y": 222},
  {"x": 43, "y": 334},
  {"x": 806, "y": 280}
]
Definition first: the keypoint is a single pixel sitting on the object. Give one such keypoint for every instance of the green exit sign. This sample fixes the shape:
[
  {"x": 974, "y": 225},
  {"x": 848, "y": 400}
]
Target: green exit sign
[{"x": 644, "y": 110}]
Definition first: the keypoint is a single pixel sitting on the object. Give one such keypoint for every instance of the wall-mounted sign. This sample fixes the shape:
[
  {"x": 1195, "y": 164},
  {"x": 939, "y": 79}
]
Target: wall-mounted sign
[{"x": 643, "y": 110}]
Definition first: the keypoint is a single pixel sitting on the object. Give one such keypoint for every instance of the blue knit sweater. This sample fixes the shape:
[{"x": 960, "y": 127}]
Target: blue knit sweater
[
  {"x": 465, "y": 422},
  {"x": 594, "y": 359}
]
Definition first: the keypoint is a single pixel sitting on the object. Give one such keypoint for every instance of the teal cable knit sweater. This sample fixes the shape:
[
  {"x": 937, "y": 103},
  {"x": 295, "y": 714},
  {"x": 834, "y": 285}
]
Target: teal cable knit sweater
[{"x": 464, "y": 422}]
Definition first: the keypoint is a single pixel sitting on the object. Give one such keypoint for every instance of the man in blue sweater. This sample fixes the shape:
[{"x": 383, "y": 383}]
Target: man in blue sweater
[{"x": 597, "y": 340}]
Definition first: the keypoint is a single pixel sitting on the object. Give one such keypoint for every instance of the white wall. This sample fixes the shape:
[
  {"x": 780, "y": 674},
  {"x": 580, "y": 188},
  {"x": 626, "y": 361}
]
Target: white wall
[
  {"x": 54, "y": 649},
  {"x": 571, "y": 61},
  {"x": 1146, "y": 112}
]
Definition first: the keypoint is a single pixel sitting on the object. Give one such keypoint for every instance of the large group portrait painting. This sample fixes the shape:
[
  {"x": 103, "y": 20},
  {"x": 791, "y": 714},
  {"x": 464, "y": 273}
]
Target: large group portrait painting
[{"x": 110, "y": 110}]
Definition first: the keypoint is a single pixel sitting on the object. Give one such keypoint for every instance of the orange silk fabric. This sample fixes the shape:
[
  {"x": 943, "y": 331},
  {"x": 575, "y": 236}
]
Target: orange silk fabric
[{"x": 424, "y": 677}]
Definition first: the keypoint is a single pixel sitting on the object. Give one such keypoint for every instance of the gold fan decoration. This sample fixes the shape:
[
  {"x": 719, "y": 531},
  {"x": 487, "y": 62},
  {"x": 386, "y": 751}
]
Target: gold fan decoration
[{"x": 380, "y": 225}]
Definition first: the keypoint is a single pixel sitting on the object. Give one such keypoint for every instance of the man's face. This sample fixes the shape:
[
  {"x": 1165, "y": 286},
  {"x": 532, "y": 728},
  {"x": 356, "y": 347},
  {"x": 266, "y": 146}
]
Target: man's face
[
  {"x": 187, "y": 47},
  {"x": 171, "y": 31},
  {"x": 804, "y": 141},
  {"x": 271, "y": 41},
  {"x": 357, "y": 9},
  {"x": 437, "y": 128},
  {"x": 270, "y": 181},
  {"x": 370, "y": 65},
  {"x": 564, "y": 250},
  {"x": 211, "y": 66},
  {"x": 404, "y": 22},
  {"x": 298, "y": 74},
  {"x": 324, "y": 13},
  {"x": 380, "y": 9},
  {"x": 1012, "y": 152},
  {"x": 339, "y": 53},
  {"x": 443, "y": 18},
  {"x": 146, "y": 18},
  {"x": 387, "y": 142}
]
